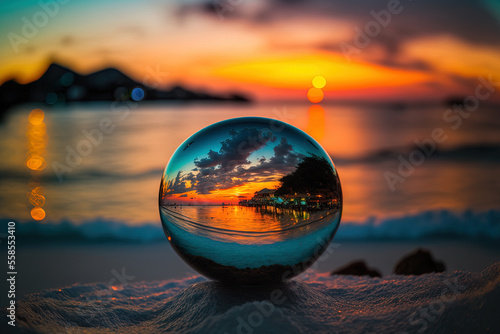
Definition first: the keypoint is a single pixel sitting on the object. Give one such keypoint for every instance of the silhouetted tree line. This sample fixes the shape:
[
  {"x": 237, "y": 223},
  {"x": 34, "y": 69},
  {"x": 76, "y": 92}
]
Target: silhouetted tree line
[{"x": 312, "y": 173}]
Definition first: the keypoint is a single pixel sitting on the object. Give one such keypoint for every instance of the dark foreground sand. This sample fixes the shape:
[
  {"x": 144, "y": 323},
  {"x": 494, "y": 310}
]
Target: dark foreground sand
[
  {"x": 46, "y": 266},
  {"x": 452, "y": 302}
]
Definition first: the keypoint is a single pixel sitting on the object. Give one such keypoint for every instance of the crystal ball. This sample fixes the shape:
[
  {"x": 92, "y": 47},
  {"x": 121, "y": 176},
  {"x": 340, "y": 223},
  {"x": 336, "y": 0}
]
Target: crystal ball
[{"x": 250, "y": 201}]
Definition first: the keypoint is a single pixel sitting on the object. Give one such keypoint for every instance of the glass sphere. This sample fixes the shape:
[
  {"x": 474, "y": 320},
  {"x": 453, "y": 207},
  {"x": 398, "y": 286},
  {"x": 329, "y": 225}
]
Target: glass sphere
[{"x": 250, "y": 201}]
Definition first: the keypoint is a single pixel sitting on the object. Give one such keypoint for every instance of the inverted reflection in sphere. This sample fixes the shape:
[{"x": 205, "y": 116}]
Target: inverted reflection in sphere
[{"x": 250, "y": 201}]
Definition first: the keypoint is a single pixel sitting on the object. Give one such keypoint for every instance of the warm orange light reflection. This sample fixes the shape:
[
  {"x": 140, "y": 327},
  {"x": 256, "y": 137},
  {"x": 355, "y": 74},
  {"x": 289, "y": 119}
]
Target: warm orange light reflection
[
  {"x": 251, "y": 219},
  {"x": 36, "y": 162},
  {"x": 36, "y": 142},
  {"x": 316, "y": 122},
  {"x": 37, "y": 213},
  {"x": 36, "y": 136},
  {"x": 315, "y": 95},
  {"x": 36, "y": 116},
  {"x": 36, "y": 199},
  {"x": 38, "y": 190}
]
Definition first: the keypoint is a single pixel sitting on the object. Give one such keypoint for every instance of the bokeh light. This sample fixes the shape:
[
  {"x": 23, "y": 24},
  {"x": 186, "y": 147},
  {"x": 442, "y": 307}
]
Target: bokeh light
[
  {"x": 35, "y": 196},
  {"x": 137, "y": 94},
  {"x": 36, "y": 162},
  {"x": 38, "y": 190},
  {"x": 37, "y": 213},
  {"x": 36, "y": 136},
  {"x": 319, "y": 82},
  {"x": 315, "y": 95},
  {"x": 36, "y": 116},
  {"x": 36, "y": 199}
]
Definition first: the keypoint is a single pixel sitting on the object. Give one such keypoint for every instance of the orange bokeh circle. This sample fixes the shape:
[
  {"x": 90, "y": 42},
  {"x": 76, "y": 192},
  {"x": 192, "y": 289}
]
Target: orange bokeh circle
[
  {"x": 315, "y": 95},
  {"x": 36, "y": 116},
  {"x": 37, "y": 213}
]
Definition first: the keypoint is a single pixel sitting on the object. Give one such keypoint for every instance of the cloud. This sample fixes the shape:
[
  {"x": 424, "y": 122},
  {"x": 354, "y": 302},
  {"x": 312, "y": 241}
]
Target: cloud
[
  {"x": 469, "y": 20},
  {"x": 284, "y": 154},
  {"x": 176, "y": 185},
  {"x": 229, "y": 167},
  {"x": 236, "y": 149}
]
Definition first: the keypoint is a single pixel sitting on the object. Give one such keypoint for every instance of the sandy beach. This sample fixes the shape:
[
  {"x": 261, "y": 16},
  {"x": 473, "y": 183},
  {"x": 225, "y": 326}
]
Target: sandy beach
[
  {"x": 314, "y": 303},
  {"x": 46, "y": 266}
]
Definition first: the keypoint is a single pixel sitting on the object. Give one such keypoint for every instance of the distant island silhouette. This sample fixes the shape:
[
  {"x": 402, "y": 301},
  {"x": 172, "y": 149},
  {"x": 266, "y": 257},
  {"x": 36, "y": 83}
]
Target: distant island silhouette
[{"x": 60, "y": 84}]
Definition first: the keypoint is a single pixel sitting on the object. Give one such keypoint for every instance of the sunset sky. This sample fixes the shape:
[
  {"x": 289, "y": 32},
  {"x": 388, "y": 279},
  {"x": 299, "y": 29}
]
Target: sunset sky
[
  {"x": 425, "y": 50},
  {"x": 223, "y": 165}
]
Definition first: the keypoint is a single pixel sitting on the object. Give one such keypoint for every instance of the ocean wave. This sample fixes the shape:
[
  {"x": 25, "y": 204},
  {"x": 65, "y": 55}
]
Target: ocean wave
[
  {"x": 430, "y": 224},
  {"x": 457, "y": 302}
]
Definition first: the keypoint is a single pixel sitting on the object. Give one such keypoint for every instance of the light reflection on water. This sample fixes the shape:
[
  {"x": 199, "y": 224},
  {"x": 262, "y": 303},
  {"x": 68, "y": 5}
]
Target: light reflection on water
[
  {"x": 241, "y": 247},
  {"x": 36, "y": 144},
  {"x": 119, "y": 179},
  {"x": 250, "y": 219},
  {"x": 247, "y": 225}
]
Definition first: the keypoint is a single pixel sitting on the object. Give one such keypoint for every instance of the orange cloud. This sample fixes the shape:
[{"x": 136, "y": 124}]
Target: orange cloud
[{"x": 461, "y": 58}]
